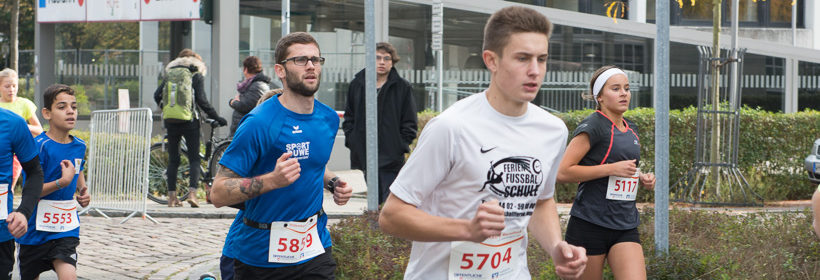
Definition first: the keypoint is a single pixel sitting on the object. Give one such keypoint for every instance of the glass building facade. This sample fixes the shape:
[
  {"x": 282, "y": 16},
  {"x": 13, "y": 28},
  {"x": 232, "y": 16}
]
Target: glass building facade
[{"x": 574, "y": 52}]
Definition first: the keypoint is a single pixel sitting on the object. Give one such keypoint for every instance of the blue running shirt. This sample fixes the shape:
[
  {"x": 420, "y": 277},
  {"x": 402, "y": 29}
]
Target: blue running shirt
[
  {"x": 15, "y": 139},
  {"x": 264, "y": 134},
  {"x": 51, "y": 154}
]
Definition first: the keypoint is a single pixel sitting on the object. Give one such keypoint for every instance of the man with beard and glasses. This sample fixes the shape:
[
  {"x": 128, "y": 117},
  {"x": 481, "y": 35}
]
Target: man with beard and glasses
[{"x": 277, "y": 166}]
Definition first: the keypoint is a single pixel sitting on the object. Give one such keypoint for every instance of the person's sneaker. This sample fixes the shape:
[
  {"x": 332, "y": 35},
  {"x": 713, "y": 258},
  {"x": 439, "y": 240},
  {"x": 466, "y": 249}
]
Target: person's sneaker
[{"x": 207, "y": 276}]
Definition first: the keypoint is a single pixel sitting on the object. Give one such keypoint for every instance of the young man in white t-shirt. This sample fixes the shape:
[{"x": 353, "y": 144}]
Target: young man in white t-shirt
[{"x": 485, "y": 167}]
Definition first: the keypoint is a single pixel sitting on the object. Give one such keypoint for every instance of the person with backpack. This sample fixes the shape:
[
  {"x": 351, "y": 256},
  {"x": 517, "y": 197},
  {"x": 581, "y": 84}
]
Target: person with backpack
[{"x": 181, "y": 91}]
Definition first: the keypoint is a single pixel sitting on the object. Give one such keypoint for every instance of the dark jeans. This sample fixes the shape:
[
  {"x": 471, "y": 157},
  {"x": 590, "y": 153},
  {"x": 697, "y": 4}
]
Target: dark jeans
[
  {"x": 175, "y": 133},
  {"x": 386, "y": 178}
]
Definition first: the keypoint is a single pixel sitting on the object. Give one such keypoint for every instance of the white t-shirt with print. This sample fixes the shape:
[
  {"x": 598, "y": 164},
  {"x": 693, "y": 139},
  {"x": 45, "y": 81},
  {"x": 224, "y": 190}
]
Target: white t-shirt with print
[{"x": 470, "y": 154}]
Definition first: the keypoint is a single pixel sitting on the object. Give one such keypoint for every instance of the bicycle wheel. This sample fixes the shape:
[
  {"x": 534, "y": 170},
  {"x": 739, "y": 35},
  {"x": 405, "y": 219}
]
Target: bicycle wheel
[
  {"x": 213, "y": 163},
  {"x": 158, "y": 179}
]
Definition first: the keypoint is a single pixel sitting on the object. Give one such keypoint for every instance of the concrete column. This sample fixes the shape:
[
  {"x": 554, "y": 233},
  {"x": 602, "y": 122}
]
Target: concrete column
[
  {"x": 225, "y": 61},
  {"x": 259, "y": 34},
  {"x": 637, "y": 10},
  {"x": 44, "y": 70},
  {"x": 200, "y": 42},
  {"x": 812, "y": 9},
  {"x": 150, "y": 63},
  {"x": 791, "y": 84},
  {"x": 382, "y": 13}
]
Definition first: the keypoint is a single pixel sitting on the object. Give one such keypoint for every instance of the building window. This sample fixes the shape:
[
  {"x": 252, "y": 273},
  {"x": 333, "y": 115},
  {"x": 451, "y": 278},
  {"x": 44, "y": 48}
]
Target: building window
[
  {"x": 629, "y": 57},
  {"x": 590, "y": 54},
  {"x": 774, "y": 66},
  {"x": 751, "y": 13}
]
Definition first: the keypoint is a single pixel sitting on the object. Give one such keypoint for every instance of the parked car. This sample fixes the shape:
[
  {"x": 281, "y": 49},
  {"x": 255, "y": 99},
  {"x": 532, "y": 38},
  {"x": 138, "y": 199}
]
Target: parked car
[{"x": 812, "y": 162}]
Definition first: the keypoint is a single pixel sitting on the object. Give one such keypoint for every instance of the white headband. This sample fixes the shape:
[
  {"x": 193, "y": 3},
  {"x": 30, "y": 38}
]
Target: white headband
[{"x": 601, "y": 80}]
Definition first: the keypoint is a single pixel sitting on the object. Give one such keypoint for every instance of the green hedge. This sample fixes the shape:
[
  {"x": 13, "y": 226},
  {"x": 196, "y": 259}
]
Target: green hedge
[{"x": 770, "y": 153}]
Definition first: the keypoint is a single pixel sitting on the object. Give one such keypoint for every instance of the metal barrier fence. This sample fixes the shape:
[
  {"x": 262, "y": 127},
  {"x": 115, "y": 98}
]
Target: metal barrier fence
[
  {"x": 118, "y": 161},
  {"x": 102, "y": 72}
]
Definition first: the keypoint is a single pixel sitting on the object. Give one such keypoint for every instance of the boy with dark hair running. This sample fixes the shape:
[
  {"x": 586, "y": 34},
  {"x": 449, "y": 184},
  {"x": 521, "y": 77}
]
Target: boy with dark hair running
[{"x": 54, "y": 231}]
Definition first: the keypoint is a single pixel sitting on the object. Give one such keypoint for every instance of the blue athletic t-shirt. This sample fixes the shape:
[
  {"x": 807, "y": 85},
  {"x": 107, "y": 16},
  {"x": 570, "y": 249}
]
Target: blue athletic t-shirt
[
  {"x": 264, "y": 134},
  {"x": 16, "y": 140},
  {"x": 51, "y": 154},
  {"x": 227, "y": 248}
]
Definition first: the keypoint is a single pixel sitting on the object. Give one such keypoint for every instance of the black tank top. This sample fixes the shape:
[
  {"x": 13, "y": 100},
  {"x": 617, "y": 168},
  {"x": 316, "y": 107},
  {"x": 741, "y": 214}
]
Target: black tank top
[{"x": 608, "y": 144}]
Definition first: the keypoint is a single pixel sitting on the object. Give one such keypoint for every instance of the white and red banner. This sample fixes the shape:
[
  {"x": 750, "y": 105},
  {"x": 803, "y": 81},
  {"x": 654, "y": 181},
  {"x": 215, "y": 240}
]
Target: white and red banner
[
  {"x": 113, "y": 10},
  {"x": 53, "y": 11},
  {"x": 61, "y": 10},
  {"x": 170, "y": 9}
]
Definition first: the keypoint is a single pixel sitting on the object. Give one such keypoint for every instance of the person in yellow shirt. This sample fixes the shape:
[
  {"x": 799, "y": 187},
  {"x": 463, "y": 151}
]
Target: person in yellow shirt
[{"x": 20, "y": 106}]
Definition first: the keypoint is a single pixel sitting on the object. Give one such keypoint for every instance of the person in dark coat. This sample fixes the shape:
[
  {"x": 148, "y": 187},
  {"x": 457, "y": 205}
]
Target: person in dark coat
[
  {"x": 397, "y": 120},
  {"x": 250, "y": 89}
]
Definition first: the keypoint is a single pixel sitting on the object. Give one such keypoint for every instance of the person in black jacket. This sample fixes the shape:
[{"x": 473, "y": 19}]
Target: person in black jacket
[
  {"x": 397, "y": 120},
  {"x": 250, "y": 89},
  {"x": 189, "y": 129}
]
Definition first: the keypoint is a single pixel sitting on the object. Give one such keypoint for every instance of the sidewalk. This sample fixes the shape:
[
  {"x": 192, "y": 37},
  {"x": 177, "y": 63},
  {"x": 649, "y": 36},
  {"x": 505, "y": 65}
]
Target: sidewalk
[{"x": 356, "y": 206}]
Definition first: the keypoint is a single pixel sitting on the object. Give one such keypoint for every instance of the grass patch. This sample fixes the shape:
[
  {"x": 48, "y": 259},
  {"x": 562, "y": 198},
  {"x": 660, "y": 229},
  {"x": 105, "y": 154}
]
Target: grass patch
[{"x": 703, "y": 245}]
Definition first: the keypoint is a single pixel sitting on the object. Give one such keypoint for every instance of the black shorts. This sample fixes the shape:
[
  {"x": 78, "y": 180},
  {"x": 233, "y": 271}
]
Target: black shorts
[
  {"x": 226, "y": 267},
  {"x": 597, "y": 240},
  {"x": 35, "y": 259},
  {"x": 320, "y": 267},
  {"x": 6, "y": 259}
]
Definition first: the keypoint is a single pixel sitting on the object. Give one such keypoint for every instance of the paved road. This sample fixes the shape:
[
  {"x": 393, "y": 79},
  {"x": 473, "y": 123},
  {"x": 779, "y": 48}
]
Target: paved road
[
  {"x": 186, "y": 243},
  {"x": 176, "y": 248}
]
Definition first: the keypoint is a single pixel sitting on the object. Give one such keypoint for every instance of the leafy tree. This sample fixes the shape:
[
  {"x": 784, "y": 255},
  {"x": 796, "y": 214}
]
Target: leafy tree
[
  {"x": 98, "y": 35},
  {"x": 25, "y": 27}
]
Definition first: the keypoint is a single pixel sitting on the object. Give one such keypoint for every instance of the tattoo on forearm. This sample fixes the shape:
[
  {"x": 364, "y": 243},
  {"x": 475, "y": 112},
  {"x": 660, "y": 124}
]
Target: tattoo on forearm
[
  {"x": 252, "y": 187},
  {"x": 249, "y": 187}
]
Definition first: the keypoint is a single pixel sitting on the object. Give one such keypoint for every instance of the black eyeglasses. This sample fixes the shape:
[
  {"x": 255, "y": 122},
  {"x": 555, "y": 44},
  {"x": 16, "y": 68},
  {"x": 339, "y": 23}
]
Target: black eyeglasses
[{"x": 302, "y": 60}]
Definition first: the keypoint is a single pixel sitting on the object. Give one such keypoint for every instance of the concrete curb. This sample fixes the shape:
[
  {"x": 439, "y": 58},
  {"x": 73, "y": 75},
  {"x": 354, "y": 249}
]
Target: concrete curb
[{"x": 197, "y": 215}]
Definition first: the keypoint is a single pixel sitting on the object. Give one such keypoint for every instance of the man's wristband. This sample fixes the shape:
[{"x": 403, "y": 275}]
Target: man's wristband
[
  {"x": 57, "y": 182},
  {"x": 331, "y": 185}
]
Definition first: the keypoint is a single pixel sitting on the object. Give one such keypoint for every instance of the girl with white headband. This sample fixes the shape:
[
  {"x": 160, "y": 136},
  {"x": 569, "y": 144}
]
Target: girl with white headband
[{"x": 603, "y": 156}]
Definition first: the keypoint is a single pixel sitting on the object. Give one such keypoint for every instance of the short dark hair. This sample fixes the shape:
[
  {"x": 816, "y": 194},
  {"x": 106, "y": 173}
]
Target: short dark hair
[
  {"x": 281, "y": 52},
  {"x": 511, "y": 20},
  {"x": 52, "y": 91},
  {"x": 388, "y": 48},
  {"x": 253, "y": 64}
]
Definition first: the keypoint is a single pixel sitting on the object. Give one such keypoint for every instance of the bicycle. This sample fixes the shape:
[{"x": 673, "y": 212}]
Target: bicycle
[{"x": 158, "y": 166}]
